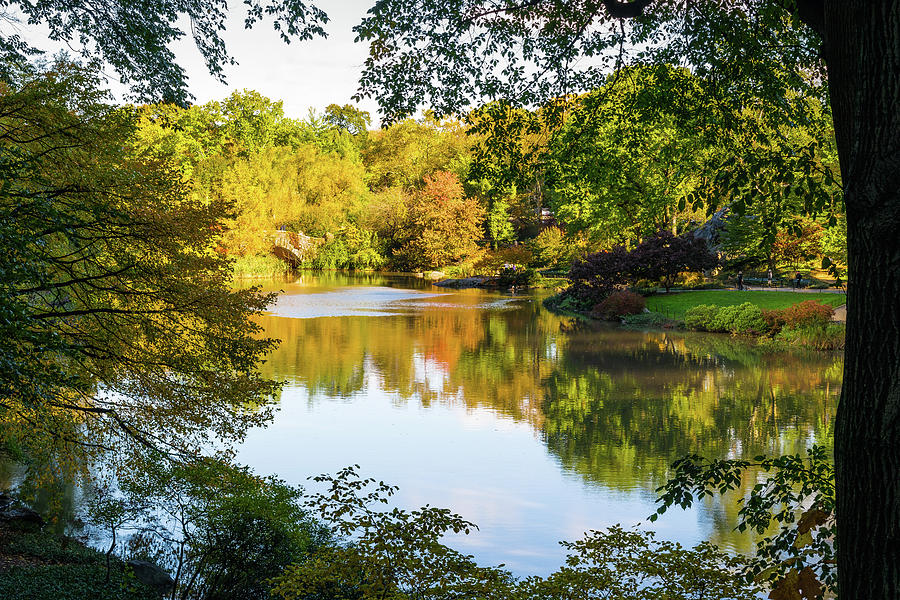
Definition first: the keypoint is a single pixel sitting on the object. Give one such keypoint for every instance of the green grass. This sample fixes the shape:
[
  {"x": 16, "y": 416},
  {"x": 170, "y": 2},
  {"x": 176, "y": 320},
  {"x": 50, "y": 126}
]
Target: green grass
[
  {"x": 677, "y": 303},
  {"x": 550, "y": 283}
]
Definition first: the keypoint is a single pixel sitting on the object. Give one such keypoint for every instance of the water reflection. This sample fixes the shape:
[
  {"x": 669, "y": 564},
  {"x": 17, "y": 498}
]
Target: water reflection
[{"x": 532, "y": 425}]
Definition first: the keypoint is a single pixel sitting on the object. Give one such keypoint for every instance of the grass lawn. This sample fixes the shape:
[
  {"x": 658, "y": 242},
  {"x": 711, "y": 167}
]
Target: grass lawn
[{"x": 678, "y": 302}]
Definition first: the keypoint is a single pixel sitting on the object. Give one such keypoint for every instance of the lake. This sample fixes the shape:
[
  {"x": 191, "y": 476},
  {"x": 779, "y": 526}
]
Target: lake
[{"x": 537, "y": 427}]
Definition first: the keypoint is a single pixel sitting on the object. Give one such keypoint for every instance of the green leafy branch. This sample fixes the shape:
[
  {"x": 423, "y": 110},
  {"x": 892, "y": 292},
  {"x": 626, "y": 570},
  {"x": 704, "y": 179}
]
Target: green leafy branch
[{"x": 797, "y": 497}]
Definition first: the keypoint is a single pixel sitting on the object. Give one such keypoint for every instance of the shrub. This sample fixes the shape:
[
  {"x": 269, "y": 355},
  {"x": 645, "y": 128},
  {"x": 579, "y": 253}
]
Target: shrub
[
  {"x": 493, "y": 261},
  {"x": 399, "y": 554},
  {"x": 244, "y": 542},
  {"x": 222, "y": 531},
  {"x": 774, "y": 320},
  {"x": 701, "y": 317},
  {"x": 742, "y": 318},
  {"x": 552, "y": 248},
  {"x": 804, "y": 314},
  {"x": 395, "y": 553},
  {"x": 631, "y": 564},
  {"x": 515, "y": 275},
  {"x": 809, "y": 312},
  {"x": 564, "y": 302},
  {"x": 617, "y": 304}
]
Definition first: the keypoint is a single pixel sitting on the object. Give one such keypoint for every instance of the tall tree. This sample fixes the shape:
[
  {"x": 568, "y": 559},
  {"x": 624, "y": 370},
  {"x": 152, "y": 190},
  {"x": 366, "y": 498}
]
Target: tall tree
[
  {"x": 753, "y": 54},
  {"x": 404, "y": 153},
  {"x": 120, "y": 328},
  {"x": 444, "y": 226},
  {"x": 628, "y": 154}
]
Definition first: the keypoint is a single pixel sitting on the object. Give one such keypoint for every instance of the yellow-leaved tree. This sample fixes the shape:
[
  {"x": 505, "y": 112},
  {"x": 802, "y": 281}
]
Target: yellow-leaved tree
[{"x": 120, "y": 332}]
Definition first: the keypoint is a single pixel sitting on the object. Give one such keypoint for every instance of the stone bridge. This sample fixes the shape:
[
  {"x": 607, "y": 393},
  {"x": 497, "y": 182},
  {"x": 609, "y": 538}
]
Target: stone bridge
[{"x": 294, "y": 248}]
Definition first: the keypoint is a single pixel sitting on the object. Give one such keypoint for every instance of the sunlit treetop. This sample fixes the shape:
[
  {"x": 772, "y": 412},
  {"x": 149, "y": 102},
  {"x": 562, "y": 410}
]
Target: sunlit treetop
[
  {"x": 134, "y": 37},
  {"x": 451, "y": 55}
]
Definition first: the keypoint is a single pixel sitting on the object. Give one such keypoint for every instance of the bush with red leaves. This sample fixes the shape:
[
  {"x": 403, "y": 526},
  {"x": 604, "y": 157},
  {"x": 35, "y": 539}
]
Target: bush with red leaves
[
  {"x": 619, "y": 304},
  {"x": 805, "y": 314}
]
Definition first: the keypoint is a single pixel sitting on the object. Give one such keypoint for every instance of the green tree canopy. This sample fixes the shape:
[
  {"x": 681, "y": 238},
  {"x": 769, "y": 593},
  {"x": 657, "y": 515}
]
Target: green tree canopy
[
  {"x": 120, "y": 330},
  {"x": 404, "y": 153}
]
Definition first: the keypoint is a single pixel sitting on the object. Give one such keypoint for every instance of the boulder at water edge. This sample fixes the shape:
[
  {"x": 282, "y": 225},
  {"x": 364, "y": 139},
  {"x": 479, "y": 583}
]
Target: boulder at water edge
[
  {"x": 19, "y": 515},
  {"x": 152, "y": 576}
]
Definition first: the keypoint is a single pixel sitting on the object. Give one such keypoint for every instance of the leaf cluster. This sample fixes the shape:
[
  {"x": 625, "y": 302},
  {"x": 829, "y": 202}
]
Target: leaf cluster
[
  {"x": 120, "y": 329},
  {"x": 135, "y": 38},
  {"x": 388, "y": 552},
  {"x": 393, "y": 553},
  {"x": 449, "y": 56},
  {"x": 797, "y": 497}
]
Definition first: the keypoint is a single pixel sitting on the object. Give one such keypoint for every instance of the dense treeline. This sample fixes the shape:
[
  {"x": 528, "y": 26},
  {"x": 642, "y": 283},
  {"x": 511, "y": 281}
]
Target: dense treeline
[
  {"x": 366, "y": 197},
  {"x": 573, "y": 177}
]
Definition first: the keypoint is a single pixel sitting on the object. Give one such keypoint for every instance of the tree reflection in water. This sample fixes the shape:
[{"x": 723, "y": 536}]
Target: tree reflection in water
[{"x": 615, "y": 406}]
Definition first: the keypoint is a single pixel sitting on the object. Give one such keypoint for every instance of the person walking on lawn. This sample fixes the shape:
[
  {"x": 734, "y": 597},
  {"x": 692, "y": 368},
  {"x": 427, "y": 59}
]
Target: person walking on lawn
[{"x": 740, "y": 280}]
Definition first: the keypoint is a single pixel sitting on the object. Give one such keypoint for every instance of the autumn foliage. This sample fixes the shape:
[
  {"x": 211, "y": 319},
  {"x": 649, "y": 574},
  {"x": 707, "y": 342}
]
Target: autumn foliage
[
  {"x": 803, "y": 314},
  {"x": 444, "y": 226},
  {"x": 619, "y": 304}
]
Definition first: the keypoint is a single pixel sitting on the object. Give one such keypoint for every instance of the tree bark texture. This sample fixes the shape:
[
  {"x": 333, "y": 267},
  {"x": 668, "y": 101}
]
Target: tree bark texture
[{"x": 862, "y": 50}]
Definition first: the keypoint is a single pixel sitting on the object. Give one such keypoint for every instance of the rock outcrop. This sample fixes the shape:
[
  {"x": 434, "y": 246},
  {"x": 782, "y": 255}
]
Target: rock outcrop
[{"x": 152, "y": 576}]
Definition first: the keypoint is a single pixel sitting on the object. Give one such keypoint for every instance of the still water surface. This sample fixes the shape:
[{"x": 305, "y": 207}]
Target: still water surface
[{"x": 536, "y": 427}]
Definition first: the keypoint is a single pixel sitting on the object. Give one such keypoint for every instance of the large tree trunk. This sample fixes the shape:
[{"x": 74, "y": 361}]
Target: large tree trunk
[{"x": 863, "y": 54}]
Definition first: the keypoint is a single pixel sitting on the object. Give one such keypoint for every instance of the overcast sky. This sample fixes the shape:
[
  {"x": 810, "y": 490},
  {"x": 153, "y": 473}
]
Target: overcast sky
[
  {"x": 311, "y": 74},
  {"x": 307, "y": 74}
]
